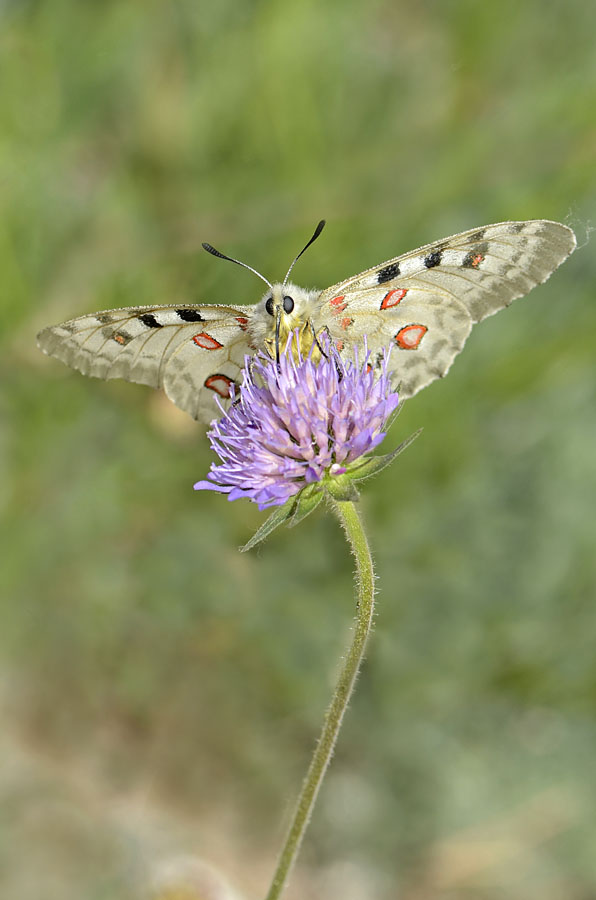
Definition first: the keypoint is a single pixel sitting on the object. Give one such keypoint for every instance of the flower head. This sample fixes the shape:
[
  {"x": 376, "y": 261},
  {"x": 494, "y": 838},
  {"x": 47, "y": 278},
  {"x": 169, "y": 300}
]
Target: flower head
[{"x": 296, "y": 423}]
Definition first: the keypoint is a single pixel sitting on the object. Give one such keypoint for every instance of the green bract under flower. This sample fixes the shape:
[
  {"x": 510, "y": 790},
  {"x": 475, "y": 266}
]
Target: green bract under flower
[{"x": 297, "y": 424}]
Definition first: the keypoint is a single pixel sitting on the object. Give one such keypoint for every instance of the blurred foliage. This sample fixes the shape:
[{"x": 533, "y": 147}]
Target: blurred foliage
[{"x": 161, "y": 692}]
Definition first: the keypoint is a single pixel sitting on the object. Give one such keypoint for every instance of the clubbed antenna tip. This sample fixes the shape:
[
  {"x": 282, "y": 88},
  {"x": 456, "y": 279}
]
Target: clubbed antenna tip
[
  {"x": 318, "y": 230},
  {"x": 220, "y": 255}
]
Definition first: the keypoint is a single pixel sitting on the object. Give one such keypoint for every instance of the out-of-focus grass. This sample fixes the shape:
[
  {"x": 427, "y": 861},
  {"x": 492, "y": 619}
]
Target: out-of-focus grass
[{"x": 143, "y": 657}]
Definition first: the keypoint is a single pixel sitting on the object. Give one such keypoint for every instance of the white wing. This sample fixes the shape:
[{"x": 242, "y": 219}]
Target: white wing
[
  {"x": 424, "y": 303},
  {"x": 193, "y": 352}
]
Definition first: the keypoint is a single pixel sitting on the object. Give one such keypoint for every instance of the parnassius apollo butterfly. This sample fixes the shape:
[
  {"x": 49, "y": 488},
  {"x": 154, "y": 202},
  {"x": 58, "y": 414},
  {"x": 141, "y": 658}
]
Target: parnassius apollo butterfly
[{"x": 422, "y": 303}]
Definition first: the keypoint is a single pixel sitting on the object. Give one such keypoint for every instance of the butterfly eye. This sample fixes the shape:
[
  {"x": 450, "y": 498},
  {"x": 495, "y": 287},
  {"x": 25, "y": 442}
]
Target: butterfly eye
[
  {"x": 269, "y": 305},
  {"x": 288, "y": 304}
]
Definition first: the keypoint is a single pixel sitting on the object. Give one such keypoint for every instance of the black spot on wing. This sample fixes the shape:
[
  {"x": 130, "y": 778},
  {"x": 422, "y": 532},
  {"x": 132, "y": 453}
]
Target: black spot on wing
[
  {"x": 478, "y": 235},
  {"x": 189, "y": 315},
  {"x": 149, "y": 320},
  {"x": 433, "y": 259},
  {"x": 104, "y": 318},
  {"x": 389, "y": 272}
]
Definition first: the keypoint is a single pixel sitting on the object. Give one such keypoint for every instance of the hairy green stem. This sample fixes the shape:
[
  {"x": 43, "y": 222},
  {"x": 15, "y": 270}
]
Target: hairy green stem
[{"x": 352, "y": 525}]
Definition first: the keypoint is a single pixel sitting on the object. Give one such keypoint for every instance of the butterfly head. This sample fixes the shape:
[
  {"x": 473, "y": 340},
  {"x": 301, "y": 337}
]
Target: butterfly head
[
  {"x": 288, "y": 302},
  {"x": 284, "y": 310}
]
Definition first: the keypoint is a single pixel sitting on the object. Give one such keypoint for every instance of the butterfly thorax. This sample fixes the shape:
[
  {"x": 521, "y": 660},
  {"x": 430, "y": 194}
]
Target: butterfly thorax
[{"x": 286, "y": 310}]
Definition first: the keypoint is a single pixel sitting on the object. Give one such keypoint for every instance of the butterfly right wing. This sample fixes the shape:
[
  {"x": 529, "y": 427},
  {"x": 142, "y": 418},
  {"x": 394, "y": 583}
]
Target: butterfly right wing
[
  {"x": 194, "y": 352},
  {"x": 424, "y": 303}
]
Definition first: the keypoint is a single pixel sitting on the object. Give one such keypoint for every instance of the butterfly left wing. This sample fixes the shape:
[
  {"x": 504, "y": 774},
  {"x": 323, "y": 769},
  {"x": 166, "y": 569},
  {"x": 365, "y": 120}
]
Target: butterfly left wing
[
  {"x": 194, "y": 352},
  {"x": 424, "y": 303}
]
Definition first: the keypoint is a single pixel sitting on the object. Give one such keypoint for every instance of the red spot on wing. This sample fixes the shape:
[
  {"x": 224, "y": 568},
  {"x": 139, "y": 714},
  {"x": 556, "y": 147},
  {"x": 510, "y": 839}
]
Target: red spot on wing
[
  {"x": 205, "y": 341},
  {"x": 221, "y": 384},
  {"x": 340, "y": 345},
  {"x": 393, "y": 298},
  {"x": 337, "y": 304},
  {"x": 476, "y": 260},
  {"x": 243, "y": 322},
  {"x": 346, "y": 322},
  {"x": 409, "y": 337},
  {"x": 119, "y": 338}
]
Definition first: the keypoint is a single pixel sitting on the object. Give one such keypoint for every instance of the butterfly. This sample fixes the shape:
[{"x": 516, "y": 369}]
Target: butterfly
[{"x": 423, "y": 304}]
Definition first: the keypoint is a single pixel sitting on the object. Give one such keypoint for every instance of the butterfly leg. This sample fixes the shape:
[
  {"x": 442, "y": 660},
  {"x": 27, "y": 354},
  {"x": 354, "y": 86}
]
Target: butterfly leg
[{"x": 315, "y": 337}]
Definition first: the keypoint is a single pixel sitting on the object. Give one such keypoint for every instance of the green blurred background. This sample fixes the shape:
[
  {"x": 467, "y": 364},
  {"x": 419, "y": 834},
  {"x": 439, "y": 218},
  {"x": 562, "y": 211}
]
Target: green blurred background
[{"x": 161, "y": 692}]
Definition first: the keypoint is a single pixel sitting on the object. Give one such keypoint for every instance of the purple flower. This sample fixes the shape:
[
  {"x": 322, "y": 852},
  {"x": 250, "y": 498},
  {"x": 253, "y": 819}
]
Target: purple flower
[{"x": 297, "y": 423}]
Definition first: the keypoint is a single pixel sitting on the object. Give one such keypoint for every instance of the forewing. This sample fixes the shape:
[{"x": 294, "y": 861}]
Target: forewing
[
  {"x": 424, "y": 303},
  {"x": 193, "y": 352}
]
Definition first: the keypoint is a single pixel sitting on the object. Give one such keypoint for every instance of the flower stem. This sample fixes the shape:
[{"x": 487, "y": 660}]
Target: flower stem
[{"x": 352, "y": 525}]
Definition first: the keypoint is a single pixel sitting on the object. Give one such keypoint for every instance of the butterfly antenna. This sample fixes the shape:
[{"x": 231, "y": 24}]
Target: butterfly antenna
[
  {"x": 217, "y": 253},
  {"x": 318, "y": 230}
]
